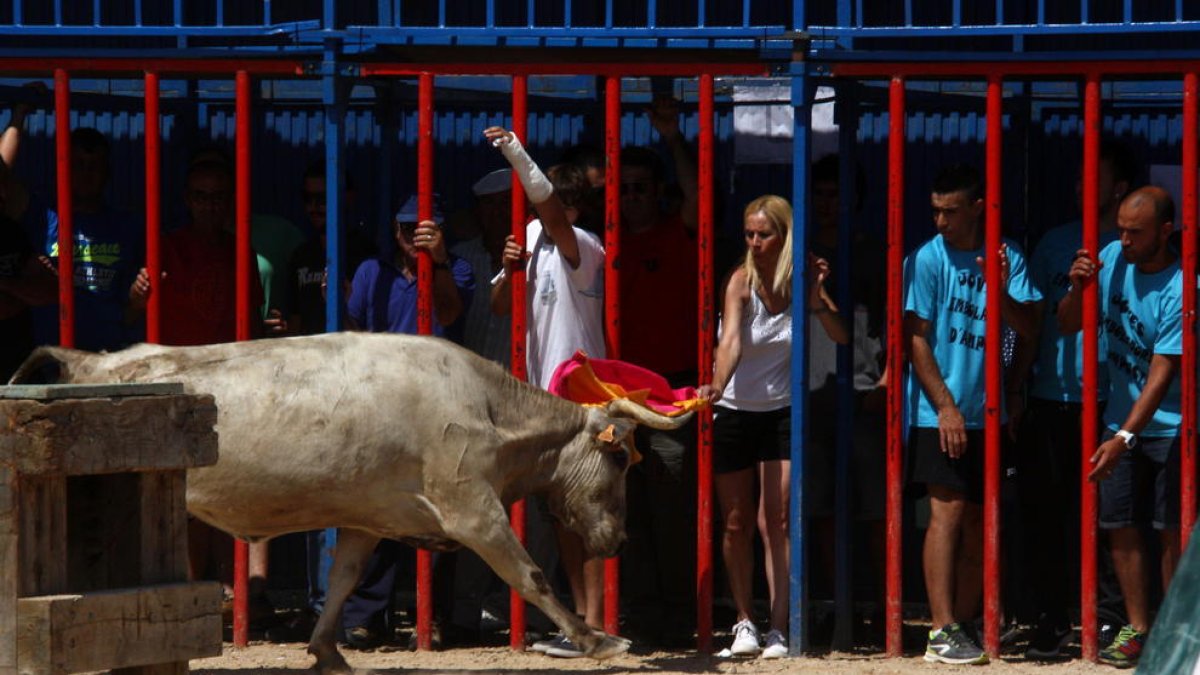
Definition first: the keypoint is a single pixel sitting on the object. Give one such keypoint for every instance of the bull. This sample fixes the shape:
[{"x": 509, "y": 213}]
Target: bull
[{"x": 396, "y": 436}]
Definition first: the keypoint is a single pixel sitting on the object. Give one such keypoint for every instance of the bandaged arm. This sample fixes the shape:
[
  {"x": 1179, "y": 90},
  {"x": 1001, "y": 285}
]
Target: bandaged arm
[
  {"x": 537, "y": 186},
  {"x": 550, "y": 209}
]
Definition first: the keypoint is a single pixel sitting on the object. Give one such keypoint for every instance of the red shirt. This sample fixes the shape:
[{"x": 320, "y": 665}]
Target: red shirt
[
  {"x": 658, "y": 272},
  {"x": 199, "y": 293}
]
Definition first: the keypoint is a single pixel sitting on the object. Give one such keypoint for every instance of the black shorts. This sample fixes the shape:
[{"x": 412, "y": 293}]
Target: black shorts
[
  {"x": 742, "y": 438},
  {"x": 1144, "y": 486},
  {"x": 928, "y": 465}
]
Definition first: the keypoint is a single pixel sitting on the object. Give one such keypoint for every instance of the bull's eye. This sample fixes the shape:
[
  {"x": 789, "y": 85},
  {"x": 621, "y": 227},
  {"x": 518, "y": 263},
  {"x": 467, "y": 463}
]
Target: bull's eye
[{"x": 621, "y": 458}]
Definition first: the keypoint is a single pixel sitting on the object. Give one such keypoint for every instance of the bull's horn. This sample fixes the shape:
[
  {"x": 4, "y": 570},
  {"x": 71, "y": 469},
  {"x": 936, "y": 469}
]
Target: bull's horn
[{"x": 623, "y": 407}]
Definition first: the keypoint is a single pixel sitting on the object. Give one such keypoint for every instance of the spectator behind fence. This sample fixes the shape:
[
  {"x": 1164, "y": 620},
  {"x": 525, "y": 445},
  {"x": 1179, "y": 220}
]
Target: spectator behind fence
[
  {"x": 658, "y": 277},
  {"x": 109, "y": 247},
  {"x": 383, "y": 298},
  {"x": 1048, "y": 436},
  {"x": 564, "y": 297},
  {"x": 1137, "y": 463},
  {"x": 752, "y": 421},
  {"x": 484, "y": 228},
  {"x": 944, "y": 327},
  {"x": 25, "y": 281}
]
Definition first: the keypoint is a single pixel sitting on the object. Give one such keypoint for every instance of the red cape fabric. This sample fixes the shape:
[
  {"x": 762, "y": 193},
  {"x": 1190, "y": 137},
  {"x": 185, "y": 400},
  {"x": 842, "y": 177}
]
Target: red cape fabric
[{"x": 596, "y": 381}]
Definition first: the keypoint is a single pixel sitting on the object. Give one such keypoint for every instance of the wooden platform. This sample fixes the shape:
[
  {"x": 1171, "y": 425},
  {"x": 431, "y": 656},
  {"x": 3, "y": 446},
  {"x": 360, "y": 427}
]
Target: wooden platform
[{"x": 93, "y": 545}]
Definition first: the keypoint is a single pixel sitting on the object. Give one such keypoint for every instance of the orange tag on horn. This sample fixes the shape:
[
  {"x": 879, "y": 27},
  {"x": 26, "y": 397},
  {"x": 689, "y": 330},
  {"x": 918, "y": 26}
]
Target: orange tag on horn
[{"x": 607, "y": 435}]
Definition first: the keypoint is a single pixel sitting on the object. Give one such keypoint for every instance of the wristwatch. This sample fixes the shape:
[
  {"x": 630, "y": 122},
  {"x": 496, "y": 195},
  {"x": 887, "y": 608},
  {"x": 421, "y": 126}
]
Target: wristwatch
[{"x": 1129, "y": 437}]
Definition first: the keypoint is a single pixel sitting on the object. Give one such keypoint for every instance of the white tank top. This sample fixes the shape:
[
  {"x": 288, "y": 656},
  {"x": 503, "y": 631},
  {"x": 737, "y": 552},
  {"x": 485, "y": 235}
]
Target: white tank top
[{"x": 763, "y": 377}]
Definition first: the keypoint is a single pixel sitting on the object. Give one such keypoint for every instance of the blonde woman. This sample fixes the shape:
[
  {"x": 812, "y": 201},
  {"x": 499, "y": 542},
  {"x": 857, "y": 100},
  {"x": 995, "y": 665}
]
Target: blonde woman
[{"x": 751, "y": 388}]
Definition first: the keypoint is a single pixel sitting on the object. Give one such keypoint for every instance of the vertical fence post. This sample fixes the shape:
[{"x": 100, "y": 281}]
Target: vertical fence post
[
  {"x": 612, "y": 293},
  {"x": 1091, "y": 355},
  {"x": 895, "y": 363},
  {"x": 66, "y": 230},
  {"x": 424, "y": 322},
  {"x": 707, "y": 324},
  {"x": 153, "y": 206},
  {"x": 991, "y": 491},
  {"x": 241, "y": 550},
  {"x": 520, "y": 125},
  {"x": 801, "y": 101},
  {"x": 1187, "y": 456}
]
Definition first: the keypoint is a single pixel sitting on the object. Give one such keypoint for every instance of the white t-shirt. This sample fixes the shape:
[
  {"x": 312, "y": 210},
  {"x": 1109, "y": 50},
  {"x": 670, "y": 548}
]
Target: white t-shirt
[{"x": 565, "y": 306}]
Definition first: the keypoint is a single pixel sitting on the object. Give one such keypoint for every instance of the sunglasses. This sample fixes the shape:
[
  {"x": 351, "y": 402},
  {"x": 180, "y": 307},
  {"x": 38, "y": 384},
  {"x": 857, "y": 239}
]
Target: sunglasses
[{"x": 636, "y": 188}]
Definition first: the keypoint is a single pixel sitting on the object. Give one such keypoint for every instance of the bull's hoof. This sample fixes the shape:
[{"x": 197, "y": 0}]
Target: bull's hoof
[
  {"x": 607, "y": 646},
  {"x": 329, "y": 661}
]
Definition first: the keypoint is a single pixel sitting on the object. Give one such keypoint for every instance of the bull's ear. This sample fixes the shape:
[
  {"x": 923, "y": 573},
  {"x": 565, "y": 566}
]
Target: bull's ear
[{"x": 615, "y": 432}]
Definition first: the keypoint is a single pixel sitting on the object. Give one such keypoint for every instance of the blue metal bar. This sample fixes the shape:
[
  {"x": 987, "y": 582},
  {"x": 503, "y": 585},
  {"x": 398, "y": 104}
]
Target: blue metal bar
[
  {"x": 177, "y": 13},
  {"x": 844, "y": 19},
  {"x": 956, "y": 13},
  {"x": 858, "y": 13},
  {"x": 266, "y": 12},
  {"x": 147, "y": 31},
  {"x": 1128, "y": 11},
  {"x": 1041, "y": 13},
  {"x": 441, "y": 13},
  {"x": 908, "y": 13},
  {"x": 651, "y": 13},
  {"x": 137, "y": 12},
  {"x": 57, "y": 12},
  {"x": 530, "y": 14},
  {"x": 335, "y": 182},
  {"x": 1144, "y": 27},
  {"x": 17, "y": 12},
  {"x": 1083, "y": 11},
  {"x": 329, "y": 16},
  {"x": 702, "y": 13},
  {"x": 608, "y": 13},
  {"x": 220, "y": 11},
  {"x": 567, "y": 13},
  {"x": 798, "y": 575},
  {"x": 1179, "y": 10},
  {"x": 490, "y": 21},
  {"x": 999, "y": 12},
  {"x": 745, "y": 13},
  {"x": 95, "y": 12}
]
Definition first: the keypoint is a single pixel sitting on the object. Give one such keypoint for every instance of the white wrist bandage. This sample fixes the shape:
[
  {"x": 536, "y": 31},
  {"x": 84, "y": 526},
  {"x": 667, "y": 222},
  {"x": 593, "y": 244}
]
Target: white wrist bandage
[{"x": 537, "y": 186}]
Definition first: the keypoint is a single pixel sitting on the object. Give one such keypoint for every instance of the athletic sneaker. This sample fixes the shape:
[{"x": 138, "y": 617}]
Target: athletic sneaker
[
  {"x": 1125, "y": 649},
  {"x": 745, "y": 639},
  {"x": 951, "y": 644},
  {"x": 1047, "y": 641},
  {"x": 776, "y": 645},
  {"x": 559, "y": 645}
]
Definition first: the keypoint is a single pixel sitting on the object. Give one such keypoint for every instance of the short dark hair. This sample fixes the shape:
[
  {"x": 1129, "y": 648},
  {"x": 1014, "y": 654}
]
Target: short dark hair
[
  {"x": 316, "y": 169},
  {"x": 89, "y": 140},
  {"x": 645, "y": 158},
  {"x": 570, "y": 183},
  {"x": 1121, "y": 160},
  {"x": 584, "y": 156},
  {"x": 828, "y": 170},
  {"x": 959, "y": 178}
]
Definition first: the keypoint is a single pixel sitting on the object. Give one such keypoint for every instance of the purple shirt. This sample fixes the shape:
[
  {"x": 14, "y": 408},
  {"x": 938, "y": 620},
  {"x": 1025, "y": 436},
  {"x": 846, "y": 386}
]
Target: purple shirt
[{"x": 382, "y": 299}]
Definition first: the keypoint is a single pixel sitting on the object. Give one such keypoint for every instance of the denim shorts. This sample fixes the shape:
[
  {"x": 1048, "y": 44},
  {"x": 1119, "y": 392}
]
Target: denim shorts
[{"x": 1144, "y": 486}]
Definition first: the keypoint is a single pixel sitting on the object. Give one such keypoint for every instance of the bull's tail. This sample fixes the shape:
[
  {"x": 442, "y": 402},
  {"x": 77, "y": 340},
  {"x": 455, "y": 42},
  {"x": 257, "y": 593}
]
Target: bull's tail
[{"x": 33, "y": 369}]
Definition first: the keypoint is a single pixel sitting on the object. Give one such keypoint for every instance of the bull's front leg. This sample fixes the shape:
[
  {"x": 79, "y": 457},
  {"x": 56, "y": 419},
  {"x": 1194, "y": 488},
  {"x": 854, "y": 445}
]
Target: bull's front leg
[
  {"x": 492, "y": 538},
  {"x": 351, "y": 553}
]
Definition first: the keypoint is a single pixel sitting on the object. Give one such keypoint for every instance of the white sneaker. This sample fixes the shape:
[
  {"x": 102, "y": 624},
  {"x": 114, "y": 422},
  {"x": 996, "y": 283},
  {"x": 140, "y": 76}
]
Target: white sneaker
[
  {"x": 564, "y": 649},
  {"x": 776, "y": 646},
  {"x": 745, "y": 639},
  {"x": 546, "y": 645}
]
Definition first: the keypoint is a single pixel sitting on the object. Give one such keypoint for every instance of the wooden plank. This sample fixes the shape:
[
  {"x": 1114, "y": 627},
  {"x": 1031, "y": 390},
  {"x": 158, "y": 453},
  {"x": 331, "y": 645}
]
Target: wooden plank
[
  {"x": 53, "y": 392},
  {"x": 161, "y": 624},
  {"x": 163, "y": 515},
  {"x": 43, "y": 535},
  {"x": 9, "y": 555},
  {"x": 103, "y": 528},
  {"x": 100, "y": 436}
]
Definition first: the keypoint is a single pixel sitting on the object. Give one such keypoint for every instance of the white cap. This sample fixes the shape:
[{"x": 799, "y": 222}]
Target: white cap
[
  {"x": 408, "y": 212},
  {"x": 499, "y": 180}
]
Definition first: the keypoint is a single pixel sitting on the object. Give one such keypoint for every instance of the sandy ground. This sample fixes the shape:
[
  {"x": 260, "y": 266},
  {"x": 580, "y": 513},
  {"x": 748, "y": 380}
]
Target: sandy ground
[{"x": 283, "y": 658}]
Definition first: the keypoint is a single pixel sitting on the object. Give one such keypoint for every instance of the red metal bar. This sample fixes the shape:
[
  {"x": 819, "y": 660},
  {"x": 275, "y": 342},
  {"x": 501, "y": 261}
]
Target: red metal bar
[
  {"x": 1091, "y": 354},
  {"x": 1187, "y": 486},
  {"x": 241, "y": 550},
  {"x": 895, "y": 362},
  {"x": 424, "y": 322},
  {"x": 704, "y": 563},
  {"x": 520, "y": 126},
  {"x": 153, "y": 207},
  {"x": 605, "y": 69},
  {"x": 15, "y": 65},
  {"x": 612, "y": 291},
  {"x": 66, "y": 229},
  {"x": 976, "y": 69},
  {"x": 991, "y": 489}
]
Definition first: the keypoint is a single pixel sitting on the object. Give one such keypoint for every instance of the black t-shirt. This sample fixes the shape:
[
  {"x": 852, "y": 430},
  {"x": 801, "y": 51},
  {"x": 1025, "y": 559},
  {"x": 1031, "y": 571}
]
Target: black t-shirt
[
  {"x": 306, "y": 269},
  {"x": 16, "y": 332}
]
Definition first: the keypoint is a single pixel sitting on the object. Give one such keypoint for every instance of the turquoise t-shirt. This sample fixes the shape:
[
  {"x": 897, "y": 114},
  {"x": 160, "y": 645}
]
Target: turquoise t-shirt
[
  {"x": 1141, "y": 315},
  {"x": 1058, "y": 370},
  {"x": 945, "y": 286}
]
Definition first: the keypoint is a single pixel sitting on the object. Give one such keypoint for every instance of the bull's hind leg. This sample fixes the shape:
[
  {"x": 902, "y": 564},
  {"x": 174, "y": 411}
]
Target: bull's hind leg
[
  {"x": 350, "y": 557},
  {"x": 490, "y": 535}
]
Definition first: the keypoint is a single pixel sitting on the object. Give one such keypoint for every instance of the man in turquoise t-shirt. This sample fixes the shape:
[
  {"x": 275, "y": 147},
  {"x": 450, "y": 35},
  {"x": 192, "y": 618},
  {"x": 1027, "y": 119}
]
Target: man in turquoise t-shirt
[
  {"x": 1047, "y": 448},
  {"x": 1141, "y": 311},
  {"x": 944, "y": 327}
]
